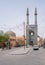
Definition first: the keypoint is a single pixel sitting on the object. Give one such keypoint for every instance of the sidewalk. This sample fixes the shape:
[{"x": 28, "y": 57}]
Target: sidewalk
[{"x": 20, "y": 51}]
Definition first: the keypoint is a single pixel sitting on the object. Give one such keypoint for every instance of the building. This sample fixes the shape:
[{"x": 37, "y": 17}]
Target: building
[
  {"x": 40, "y": 41},
  {"x": 31, "y": 30},
  {"x": 12, "y": 37},
  {"x": 15, "y": 40},
  {"x": 20, "y": 40}
]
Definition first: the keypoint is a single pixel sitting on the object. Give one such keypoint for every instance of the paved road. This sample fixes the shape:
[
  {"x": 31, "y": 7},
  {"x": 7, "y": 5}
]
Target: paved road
[{"x": 32, "y": 58}]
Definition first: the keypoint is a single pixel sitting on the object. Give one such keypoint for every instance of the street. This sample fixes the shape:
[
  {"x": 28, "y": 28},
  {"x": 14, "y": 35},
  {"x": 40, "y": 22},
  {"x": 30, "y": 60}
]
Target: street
[{"x": 34, "y": 57}]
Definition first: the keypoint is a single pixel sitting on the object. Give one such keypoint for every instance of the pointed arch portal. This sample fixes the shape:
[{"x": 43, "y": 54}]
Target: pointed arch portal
[{"x": 31, "y": 35}]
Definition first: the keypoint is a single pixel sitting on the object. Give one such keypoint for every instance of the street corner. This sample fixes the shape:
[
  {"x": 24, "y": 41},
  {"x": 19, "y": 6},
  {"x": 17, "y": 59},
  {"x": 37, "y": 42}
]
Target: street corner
[{"x": 20, "y": 51}]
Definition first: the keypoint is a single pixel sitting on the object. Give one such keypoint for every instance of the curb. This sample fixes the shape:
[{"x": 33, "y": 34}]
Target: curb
[{"x": 21, "y": 54}]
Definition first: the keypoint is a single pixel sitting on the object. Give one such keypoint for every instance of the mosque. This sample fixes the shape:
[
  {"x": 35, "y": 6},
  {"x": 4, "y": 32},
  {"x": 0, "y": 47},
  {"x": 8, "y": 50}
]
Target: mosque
[
  {"x": 31, "y": 30},
  {"x": 31, "y": 34}
]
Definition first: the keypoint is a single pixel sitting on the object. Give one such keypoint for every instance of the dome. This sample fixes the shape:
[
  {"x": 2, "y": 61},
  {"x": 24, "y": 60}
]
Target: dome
[
  {"x": 1, "y": 33},
  {"x": 10, "y": 33}
]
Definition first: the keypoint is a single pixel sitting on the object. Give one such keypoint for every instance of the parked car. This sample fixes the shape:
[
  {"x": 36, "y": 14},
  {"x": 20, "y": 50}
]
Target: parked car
[{"x": 35, "y": 47}]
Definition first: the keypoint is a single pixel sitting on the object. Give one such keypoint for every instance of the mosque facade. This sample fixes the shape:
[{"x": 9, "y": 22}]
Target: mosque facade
[{"x": 31, "y": 30}]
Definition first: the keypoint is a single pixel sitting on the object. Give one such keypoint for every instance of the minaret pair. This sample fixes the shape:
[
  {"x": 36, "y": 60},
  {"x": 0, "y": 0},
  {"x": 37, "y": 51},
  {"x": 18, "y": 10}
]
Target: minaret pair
[{"x": 34, "y": 14}]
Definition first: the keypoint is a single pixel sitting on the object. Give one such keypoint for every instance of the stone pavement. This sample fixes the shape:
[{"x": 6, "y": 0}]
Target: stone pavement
[{"x": 20, "y": 51}]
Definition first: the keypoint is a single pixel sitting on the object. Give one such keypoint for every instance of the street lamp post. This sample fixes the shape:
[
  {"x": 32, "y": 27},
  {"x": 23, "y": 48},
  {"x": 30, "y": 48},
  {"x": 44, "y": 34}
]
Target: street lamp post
[{"x": 24, "y": 34}]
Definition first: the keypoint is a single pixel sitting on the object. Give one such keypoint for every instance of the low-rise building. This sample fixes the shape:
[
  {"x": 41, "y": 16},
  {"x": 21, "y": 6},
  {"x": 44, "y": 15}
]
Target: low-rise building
[{"x": 12, "y": 38}]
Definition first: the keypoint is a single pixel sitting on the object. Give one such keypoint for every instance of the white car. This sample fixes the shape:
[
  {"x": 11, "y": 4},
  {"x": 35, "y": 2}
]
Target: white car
[{"x": 35, "y": 47}]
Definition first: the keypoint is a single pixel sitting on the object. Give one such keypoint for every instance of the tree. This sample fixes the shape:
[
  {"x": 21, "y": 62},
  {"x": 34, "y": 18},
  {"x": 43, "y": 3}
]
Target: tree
[
  {"x": 6, "y": 37},
  {"x": 3, "y": 39}
]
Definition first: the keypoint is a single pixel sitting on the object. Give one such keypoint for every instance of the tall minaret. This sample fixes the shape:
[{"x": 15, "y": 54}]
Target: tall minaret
[
  {"x": 35, "y": 16},
  {"x": 27, "y": 16}
]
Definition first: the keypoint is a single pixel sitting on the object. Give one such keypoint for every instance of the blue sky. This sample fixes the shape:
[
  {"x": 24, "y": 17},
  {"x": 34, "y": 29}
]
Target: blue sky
[{"x": 13, "y": 14}]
